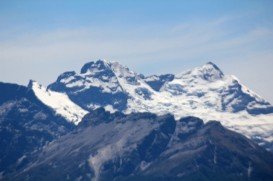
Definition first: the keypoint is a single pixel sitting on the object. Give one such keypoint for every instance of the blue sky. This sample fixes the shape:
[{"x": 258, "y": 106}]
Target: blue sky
[{"x": 41, "y": 39}]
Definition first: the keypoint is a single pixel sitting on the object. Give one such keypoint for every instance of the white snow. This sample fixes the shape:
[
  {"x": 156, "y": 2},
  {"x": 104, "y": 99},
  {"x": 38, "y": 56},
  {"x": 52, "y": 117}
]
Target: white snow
[
  {"x": 152, "y": 78},
  {"x": 110, "y": 108},
  {"x": 60, "y": 103},
  {"x": 91, "y": 78},
  {"x": 189, "y": 94},
  {"x": 204, "y": 92}
]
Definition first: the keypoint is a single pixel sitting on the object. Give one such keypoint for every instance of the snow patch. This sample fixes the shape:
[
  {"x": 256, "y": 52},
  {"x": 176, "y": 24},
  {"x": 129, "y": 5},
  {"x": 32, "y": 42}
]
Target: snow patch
[{"x": 60, "y": 103}]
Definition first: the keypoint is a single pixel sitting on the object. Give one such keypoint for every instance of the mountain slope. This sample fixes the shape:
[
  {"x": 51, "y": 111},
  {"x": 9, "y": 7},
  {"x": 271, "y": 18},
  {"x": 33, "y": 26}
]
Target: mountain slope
[
  {"x": 217, "y": 91},
  {"x": 204, "y": 92},
  {"x": 156, "y": 82},
  {"x": 109, "y": 84},
  {"x": 26, "y": 124},
  {"x": 58, "y": 102},
  {"x": 95, "y": 86},
  {"x": 145, "y": 146}
]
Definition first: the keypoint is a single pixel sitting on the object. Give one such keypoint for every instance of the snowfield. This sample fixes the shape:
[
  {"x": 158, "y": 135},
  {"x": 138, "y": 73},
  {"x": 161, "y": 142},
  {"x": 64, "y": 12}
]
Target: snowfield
[
  {"x": 204, "y": 92},
  {"x": 60, "y": 103}
]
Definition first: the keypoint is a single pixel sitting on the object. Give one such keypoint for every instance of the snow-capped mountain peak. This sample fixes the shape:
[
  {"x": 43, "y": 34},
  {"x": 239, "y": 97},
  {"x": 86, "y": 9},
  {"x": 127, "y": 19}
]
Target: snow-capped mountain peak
[
  {"x": 109, "y": 84},
  {"x": 120, "y": 70},
  {"x": 203, "y": 92},
  {"x": 207, "y": 72},
  {"x": 95, "y": 66},
  {"x": 102, "y": 65}
]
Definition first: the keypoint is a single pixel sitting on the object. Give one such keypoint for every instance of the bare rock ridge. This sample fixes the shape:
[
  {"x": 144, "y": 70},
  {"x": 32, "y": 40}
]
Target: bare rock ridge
[{"x": 146, "y": 146}]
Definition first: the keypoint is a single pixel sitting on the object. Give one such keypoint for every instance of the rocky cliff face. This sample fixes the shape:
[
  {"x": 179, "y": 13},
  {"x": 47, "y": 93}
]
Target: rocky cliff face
[
  {"x": 26, "y": 124},
  {"x": 146, "y": 146}
]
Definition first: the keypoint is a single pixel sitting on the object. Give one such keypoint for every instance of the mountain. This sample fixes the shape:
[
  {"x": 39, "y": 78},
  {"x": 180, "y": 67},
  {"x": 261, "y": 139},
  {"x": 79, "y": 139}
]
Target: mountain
[
  {"x": 204, "y": 92},
  {"x": 26, "y": 124},
  {"x": 96, "y": 85},
  {"x": 219, "y": 91},
  {"x": 157, "y": 81},
  {"x": 109, "y": 123},
  {"x": 109, "y": 84},
  {"x": 59, "y": 102},
  {"x": 149, "y": 147}
]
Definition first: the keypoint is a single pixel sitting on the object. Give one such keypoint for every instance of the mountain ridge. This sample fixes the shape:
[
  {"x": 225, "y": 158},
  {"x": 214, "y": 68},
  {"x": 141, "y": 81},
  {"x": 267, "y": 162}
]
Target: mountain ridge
[
  {"x": 26, "y": 124},
  {"x": 151, "y": 147},
  {"x": 42, "y": 143},
  {"x": 204, "y": 92}
]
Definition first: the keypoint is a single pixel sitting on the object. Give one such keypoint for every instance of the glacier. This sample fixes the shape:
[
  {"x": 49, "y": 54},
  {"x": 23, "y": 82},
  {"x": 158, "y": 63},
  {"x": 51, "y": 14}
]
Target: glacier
[
  {"x": 204, "y": 92},
  {"x": 59, "y": 102}
]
